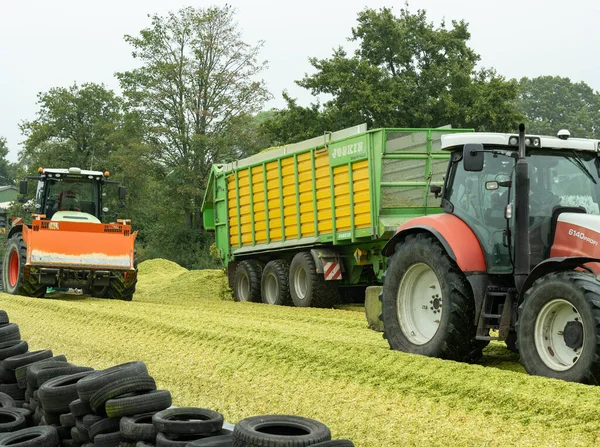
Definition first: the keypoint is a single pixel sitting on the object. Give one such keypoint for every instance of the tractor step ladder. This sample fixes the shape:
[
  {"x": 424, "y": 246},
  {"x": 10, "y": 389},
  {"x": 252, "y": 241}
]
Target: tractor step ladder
[{"x": 496, "y": 313}]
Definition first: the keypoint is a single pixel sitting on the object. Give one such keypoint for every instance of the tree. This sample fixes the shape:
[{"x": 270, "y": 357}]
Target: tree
[
  {"x": 551, "y": 103},
  {"x": 196, "y": 90},
  {"x": 74, "y": 126},
  {"x": 8, "y": 170},
  {"x": 407, "y": 73}
]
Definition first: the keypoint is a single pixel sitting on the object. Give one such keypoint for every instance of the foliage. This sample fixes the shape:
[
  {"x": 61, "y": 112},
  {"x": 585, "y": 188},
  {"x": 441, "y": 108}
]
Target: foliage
[
  {"x": 195, "y": 89},
  {"x": 8, "y": 170},
  {"x": 405, "y": 73},
  {"x": 246, "y": 359},
  {"x": 75, "y": 126},
  {"x": 551, "y": 103}
]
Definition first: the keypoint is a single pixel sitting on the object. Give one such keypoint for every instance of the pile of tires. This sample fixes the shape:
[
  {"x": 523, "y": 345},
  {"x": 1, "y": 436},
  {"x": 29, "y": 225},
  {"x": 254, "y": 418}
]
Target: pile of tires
[{"x": 45, "y": 401}]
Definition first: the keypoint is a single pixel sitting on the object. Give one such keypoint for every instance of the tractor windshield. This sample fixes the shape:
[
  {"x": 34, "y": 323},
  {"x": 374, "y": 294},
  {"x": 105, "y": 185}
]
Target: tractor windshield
[
  {"x": 69, "y": 194},
  {"x": 557, "y": 178}
]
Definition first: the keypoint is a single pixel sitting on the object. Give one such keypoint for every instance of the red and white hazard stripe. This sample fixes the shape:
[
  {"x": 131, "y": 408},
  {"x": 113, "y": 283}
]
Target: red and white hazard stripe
[{"x": 333, "y": 271}]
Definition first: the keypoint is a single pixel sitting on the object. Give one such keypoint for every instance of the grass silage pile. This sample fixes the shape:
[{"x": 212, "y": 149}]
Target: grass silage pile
[{"x": 243, "y": 359}]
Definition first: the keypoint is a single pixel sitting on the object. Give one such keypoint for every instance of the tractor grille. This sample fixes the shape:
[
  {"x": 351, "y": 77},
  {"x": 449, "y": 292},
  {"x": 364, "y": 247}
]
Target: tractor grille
[{"x": 113, "y": 228}]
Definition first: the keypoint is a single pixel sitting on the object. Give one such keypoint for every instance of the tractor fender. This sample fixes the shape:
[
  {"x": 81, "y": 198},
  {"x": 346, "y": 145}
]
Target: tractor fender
[
  {"x": 14, "y": 230},
  {"x": 557, "y": 265},
  {"x": 456, "y": 237}
]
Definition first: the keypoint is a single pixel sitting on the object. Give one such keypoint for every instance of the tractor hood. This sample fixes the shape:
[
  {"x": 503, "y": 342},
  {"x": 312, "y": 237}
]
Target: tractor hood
[
  {"x": 577, "y": 234},
  {"x": 74, "y": 216}
]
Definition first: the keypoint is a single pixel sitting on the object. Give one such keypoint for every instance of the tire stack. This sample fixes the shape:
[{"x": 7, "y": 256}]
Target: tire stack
[
  {"x": 120, "y": 391},
  {"x": 47, "y": 402}
]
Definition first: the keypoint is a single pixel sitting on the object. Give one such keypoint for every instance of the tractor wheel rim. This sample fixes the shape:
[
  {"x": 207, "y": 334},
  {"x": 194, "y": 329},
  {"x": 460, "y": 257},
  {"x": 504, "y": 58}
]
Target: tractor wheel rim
[
  {"x": 419, "y": 304},
  {"x": 550, "y": 343},
  {"x": 271, "y": 288},
  {"x": 300, "y": 283},
  {"x": 13, "y": 268},
  {"x": 244, "y": 288}
]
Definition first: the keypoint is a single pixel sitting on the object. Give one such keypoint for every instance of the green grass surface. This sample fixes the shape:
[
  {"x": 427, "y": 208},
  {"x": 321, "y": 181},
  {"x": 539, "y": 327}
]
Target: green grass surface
[{"x": 245, "y": 359}]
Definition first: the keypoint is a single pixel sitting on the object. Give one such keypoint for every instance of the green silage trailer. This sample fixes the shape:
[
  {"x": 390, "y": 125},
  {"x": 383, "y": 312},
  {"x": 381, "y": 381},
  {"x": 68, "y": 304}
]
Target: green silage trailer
[{"x": 305, "y": 223}]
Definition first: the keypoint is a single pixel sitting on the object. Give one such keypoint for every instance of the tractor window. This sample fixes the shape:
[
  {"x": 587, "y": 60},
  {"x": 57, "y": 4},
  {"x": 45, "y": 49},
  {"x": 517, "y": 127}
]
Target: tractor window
[
  {"x": 482, "y": 209},
  {"x": 71, "y": 194}
]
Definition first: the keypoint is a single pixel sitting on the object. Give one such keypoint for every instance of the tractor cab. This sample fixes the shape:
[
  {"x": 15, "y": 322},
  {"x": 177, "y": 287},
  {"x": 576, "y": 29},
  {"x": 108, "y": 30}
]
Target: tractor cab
[
  {"x": 72, "y": 194},
  {"x": 564, "y": 176}
]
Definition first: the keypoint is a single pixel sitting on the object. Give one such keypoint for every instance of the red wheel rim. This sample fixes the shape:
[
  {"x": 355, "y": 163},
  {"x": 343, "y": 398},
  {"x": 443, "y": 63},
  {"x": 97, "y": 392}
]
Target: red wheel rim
[{"x": 13, "y": 268}]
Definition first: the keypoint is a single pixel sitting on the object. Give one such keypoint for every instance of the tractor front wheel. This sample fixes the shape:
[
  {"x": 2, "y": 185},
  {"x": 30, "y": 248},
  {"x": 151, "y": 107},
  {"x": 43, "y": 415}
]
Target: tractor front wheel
[
  {"x": 427, "y": 303},
  {"x": 13, "y": 280},
  {"x": 558, "y": 329}
]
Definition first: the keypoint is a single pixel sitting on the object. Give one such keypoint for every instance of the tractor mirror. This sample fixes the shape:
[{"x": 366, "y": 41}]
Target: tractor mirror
[
  {"x": 473, "y": 157},
  {"x": 23, "y": 187},
  {"x": 436, "y": 190},
  {"x": 122, "y": 192}
]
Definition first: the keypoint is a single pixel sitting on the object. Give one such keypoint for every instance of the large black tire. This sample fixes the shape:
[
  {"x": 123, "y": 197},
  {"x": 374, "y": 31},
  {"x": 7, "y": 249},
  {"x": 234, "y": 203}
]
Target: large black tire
[
  {"x": 13, "y": 281},
  {"x": 446, "y": 329},
  {"x": 558, "y": 329},
  {"x": 31, "y": 437},
  {"x": 12, "y": 347},
  {"x": 118, "y": 289},
  {"x": 11, "y": 420},
  {"x": 26, "y": 358},
  {"x": 188, "y": 421},
  {"x": 22, "y": 371},
  {"x": 43, "y": 375},
  {"x": 138, "y": 427},
  {"x": 275, "y": 288},
  {"x": 273, "y": 430},
  {"x": 309, "y": 288},
  {"x": 9, "y": 332},
  {"x": 89, "y": 385},
  {"x": 133, "y": 384},
  {"x": 57, "y": 393},
  {"x": 152, "y": 401},
  {"x": 213, "y": 441},
  {"x": 103, "y": 427},
  {"x": 246, "y": 281}
]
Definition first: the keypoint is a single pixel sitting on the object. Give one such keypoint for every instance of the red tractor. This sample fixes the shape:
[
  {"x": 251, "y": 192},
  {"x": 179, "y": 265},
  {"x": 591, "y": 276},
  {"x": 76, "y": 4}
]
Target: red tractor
[{"x": 516, "y": 251}]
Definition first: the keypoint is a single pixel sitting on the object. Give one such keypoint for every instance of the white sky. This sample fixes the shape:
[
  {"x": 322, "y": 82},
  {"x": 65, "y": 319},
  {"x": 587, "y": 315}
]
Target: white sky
[{"x": 51, "y": 43}]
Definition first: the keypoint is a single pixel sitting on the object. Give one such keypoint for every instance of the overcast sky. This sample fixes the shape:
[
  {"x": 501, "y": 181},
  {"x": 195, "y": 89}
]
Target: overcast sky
[{"x": 50, "y": 43}]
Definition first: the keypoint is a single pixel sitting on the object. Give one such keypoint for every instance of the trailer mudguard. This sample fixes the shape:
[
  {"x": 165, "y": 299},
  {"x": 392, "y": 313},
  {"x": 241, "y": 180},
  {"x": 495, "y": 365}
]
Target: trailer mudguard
[{"x": 456, "y": 237}]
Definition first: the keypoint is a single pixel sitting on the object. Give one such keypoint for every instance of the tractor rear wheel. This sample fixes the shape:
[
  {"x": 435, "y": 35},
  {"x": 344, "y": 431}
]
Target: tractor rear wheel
[
  {"x": 427, "y": 303},
  {"x": 275, "y": 287},
  {"x": 13, "y": 281},
  {"x": 558, "y": 329},
  {"x": 246, "y": 281},
  {"x": 309, "y": 288}
]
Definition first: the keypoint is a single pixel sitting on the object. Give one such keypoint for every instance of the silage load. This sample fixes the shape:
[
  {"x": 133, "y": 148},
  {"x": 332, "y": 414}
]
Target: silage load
[{"x": 162, "y": 281}]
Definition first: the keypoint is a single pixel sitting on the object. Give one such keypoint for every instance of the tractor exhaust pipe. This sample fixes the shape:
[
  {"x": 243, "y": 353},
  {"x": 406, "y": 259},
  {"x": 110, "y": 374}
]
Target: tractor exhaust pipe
[{"x": 521, "y": 214}]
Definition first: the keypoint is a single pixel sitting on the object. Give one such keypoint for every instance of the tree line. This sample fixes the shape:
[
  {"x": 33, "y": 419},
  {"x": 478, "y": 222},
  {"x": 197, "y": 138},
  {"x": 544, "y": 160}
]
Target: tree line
[{"x": 197, "y": 98}]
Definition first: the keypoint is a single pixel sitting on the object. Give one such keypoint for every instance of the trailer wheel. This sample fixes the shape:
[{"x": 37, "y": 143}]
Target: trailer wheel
[
  {"x": 275, "y": 287},
  {"x": 558, "y": 329},
  {"x": 309, "y": 288},
  {"x": 246, "y": 281},
  {"x": 427, "y": 303},
  {"x": 15, "y": 258}
]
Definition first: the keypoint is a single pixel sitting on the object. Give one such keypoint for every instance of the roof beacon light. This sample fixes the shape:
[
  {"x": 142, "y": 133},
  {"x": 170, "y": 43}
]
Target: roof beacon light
[
  {"x": 74, "y": 171},
  {"x": 106, "y": 174},
  {"x": 40, "y": 170},
  {"x": 563, "y": 134}
]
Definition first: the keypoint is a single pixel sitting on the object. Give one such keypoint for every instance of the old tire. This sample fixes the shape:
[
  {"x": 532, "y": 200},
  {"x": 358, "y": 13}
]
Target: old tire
[
  {"x": 56, "y": 394},
  {"x": 31, "y": 437},
  {"x": 125, "y": 385},
  {"x": 89, "y": 385},
  {"x": 213, "y": 441},
  {"x": 558, "y": 329},
  {"x": 275, "y": 287},
  {"x": 11, "y": 420},
  {"x": 291, "y": 431},
  {"x": 138, "y": 427},
  {"x": 13, "y": 280},
  {"x": 152, "y": 401},
  {"x": 246, "y": 281},
  {"x": 13, "y": 347},
  {"x": 188, "y": 421},
  {"x": 427, "y": 303},
  {"x": 309, "y": 288}
]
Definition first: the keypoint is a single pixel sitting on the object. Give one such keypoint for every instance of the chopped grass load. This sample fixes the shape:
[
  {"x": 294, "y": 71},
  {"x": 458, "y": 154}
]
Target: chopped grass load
[{"x": 243, "y": 359}]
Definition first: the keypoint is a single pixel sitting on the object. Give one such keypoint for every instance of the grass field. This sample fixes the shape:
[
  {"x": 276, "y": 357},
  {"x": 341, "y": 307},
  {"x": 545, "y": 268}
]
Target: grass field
[{"x": 245, "y": 359}]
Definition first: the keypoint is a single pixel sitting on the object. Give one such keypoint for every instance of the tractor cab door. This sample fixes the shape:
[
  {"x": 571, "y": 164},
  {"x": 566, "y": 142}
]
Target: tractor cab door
[{"x": 467, "y": 197}]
